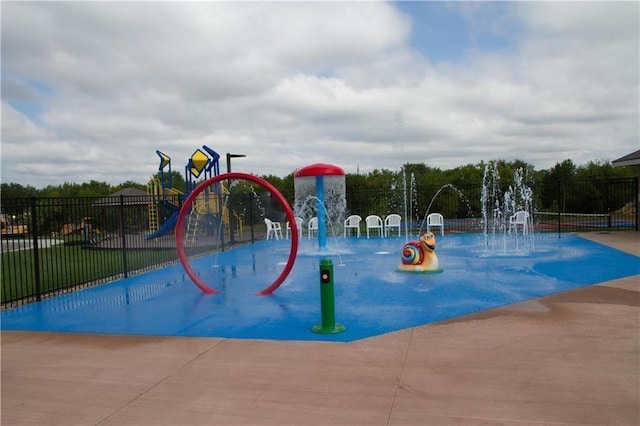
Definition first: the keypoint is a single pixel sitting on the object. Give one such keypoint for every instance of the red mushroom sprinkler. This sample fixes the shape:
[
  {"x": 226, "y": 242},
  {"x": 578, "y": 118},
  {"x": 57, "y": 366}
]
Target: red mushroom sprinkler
[{"x": 319, "y": 171}]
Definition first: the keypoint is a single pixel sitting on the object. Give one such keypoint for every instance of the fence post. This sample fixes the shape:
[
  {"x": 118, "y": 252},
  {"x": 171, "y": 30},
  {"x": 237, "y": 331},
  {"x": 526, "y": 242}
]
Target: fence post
[
  {"x": 232, "y": 228},
  {"x": 637, "y": 194},
  {"x": 36, "y": 253},
  {"x": 125, "y": 267},
  {"x": 251, "y": 216},
  {"x": 558, "y": 204}
]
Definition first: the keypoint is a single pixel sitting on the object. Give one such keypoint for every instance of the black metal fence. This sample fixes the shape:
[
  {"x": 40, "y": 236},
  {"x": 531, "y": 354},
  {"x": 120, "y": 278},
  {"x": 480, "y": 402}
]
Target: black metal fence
[
  {"x": 579, "y": 206},
  {"x": 54, "y": 245}
]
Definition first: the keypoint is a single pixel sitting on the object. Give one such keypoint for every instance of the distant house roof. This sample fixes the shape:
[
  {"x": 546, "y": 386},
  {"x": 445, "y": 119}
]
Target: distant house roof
[
  {"x": 632, "y": 159},
  {"x": 131, "y": 197},
  {"x": 128, "y": 192}
]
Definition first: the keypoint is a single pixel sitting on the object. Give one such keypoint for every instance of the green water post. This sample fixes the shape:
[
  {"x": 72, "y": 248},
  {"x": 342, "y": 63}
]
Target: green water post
[{"x": 327, "y": 301}]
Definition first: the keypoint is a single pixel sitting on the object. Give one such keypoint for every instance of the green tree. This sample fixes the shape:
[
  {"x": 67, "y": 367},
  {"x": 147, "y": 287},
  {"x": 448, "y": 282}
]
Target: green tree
[
  {"x": 173, "y": 180},
  {"x": 555, "y": 183},
  {"x": 94, "y": 188},
  {"x": 130, "y": 184},
  {"x": 284, "y": 185},
  {"x": 15, "y": 190},
  {"x": 462, "y": 176},
  {"x": 69, "y": 189}
]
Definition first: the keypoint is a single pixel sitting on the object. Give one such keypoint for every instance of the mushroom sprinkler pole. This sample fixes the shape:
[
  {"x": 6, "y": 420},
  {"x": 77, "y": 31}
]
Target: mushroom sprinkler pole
[{"x": 322, "y": 223}]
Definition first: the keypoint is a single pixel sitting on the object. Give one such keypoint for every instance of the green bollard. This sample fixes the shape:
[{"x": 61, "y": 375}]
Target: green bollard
[{"x": 327, "y": 302}]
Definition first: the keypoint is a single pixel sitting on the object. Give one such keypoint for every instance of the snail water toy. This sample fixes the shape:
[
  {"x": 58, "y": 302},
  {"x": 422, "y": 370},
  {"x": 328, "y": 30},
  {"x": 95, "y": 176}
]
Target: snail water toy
[{"x": 420, "y": 256}]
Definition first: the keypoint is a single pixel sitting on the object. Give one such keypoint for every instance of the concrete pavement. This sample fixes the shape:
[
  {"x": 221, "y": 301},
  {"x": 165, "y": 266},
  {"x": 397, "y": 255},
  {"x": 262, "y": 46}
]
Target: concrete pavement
[{"x": 566, "y": 359}]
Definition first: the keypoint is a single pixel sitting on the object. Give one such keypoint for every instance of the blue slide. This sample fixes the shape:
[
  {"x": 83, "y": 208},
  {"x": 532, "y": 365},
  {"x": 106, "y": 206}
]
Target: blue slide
[{"x": 166, "y": 227}]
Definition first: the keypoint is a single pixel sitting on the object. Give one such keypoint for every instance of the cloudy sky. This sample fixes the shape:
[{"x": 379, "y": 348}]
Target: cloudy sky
[{"x": 90, "y": 90}]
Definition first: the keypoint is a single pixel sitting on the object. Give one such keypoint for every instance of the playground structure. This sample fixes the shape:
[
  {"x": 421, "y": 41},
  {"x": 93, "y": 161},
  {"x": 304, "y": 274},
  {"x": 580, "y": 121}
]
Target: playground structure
[
  {"x": 208, "y": 208},
  {"x": 84, "y": 226},
  {"x": 10, "y": 227}
]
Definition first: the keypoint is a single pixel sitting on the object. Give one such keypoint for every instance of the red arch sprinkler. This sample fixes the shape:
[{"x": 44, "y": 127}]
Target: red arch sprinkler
[{"x": 186, "y": 208}]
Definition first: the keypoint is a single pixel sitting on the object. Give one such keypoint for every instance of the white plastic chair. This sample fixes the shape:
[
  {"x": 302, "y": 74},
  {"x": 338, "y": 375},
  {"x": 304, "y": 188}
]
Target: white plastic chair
[
  {"x": 299, "y": 223},
  {"x": 374, "y": 222},
  {"x": 312, "y": 226},
  {"x": 274, "y": 229},
  {"x": 352, "y": 222},
  {"x": 392, "y": 221},
  {"x": 435, "y": 220},
  {"x": 520, "y": 218}
]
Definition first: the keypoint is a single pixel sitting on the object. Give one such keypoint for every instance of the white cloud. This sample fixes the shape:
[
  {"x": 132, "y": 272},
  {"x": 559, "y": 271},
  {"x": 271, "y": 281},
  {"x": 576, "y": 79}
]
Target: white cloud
[{"x": 289, "y": 84}]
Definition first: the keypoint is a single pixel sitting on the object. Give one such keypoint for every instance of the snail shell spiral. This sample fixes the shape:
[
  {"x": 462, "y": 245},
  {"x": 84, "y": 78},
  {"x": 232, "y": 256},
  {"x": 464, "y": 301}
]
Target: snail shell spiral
[{"x": 412, "y": 254}]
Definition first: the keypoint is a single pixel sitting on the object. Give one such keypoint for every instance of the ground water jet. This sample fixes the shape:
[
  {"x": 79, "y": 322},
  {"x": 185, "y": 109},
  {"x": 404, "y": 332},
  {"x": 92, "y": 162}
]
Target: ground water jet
[
  {"x": 499, "y": 206},
  {"x": 443, "y": 187},
  {"x": 307, "y": 208}
]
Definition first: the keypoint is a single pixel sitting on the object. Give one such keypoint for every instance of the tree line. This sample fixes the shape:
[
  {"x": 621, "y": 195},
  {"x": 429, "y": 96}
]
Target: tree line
[{"x": 425, "y": 176}]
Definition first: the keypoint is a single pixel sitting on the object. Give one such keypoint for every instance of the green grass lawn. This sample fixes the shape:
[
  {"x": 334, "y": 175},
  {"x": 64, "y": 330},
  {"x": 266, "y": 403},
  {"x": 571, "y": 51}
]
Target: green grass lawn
[{"x": 64, "y": 266}]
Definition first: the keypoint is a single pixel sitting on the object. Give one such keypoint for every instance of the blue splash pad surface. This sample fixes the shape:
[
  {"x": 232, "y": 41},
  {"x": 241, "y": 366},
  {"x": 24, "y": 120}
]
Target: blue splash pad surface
[{"x": 371, "y": 297}]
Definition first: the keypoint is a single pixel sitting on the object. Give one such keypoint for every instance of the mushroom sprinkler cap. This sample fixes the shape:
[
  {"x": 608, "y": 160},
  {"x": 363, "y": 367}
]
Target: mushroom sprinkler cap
[{"x": 320, "y": 169}]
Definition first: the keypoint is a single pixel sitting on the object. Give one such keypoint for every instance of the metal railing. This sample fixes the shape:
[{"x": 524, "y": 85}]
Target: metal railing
[
  {"x": 578, "y": 206},
  {"x": 54, "y": 245}
]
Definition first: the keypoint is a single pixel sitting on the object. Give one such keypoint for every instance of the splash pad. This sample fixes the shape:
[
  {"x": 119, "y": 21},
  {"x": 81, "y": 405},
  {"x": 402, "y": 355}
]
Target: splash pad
[{"x": 371, "y": 297}]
